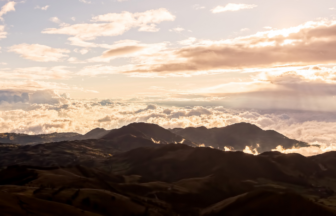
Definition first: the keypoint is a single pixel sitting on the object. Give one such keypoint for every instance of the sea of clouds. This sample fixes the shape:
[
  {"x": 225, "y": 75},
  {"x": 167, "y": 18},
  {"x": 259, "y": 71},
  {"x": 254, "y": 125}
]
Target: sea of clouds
[{"x": 48, "y": 112}]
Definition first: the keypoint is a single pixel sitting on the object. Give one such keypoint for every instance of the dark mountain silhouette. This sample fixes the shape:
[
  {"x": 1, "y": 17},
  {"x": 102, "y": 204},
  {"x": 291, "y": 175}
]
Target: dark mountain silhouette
[
  {"x": 25, "y": 139},
  {"x": 148, "y": 131},
  {"x": 142, "y": 130},
  {"x": 238, "y": 136},
  {"x": 95, "y": 134}
]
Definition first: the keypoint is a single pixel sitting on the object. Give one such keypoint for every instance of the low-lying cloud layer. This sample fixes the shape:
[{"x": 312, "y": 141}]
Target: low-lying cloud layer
[{"x": 47, "y": 112}]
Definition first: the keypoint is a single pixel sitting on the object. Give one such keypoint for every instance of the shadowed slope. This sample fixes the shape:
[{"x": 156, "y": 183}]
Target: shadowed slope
[
  {"x": 170, "y": 180},
  {"x": 85, "y": 152},
  {"x": 266, "y": 203},
  {"x": 175, "y": 162}
]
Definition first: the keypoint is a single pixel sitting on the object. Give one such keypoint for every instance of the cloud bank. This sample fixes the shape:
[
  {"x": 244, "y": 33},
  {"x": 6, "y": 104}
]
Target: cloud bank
[{"x": 45, "y": 111}]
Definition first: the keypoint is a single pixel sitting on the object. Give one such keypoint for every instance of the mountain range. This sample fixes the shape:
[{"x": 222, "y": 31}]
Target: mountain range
[{"x": 235, "y": 137}]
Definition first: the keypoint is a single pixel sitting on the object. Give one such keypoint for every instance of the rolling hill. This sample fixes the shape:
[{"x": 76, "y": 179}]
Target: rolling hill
[{"x": 173, "y": 179}]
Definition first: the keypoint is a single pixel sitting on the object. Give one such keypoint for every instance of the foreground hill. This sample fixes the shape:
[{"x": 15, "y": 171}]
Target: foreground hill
[
  {"x": 66, "y": 153},
  {"x": 171, "y": 180},
  {"x": 172, "y": 162},
  {"x": 237, "y": 137}
]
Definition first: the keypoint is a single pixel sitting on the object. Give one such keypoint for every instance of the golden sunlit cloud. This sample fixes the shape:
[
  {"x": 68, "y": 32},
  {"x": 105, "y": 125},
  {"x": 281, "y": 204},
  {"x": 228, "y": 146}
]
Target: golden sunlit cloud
[
  {"x": 37, "y": 52},
  {"x": 307, "y": 44}
]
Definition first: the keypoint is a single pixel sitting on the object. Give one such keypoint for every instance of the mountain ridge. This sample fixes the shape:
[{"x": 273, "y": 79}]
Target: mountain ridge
[{"x": 237, "y": 136}]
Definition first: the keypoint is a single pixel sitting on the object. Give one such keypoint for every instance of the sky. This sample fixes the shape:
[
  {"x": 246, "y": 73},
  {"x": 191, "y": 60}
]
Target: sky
[{"x": 75, "y": 65}]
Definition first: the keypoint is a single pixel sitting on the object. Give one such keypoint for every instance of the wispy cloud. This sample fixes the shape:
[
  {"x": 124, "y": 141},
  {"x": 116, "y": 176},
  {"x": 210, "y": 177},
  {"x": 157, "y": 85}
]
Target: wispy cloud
[
  {"x": 232, "y": 7},
  {"x": 177, "y": 29},
  {"x": 114, "y": 24},
  {"x": 128, "y": 48},
  {"x": 55, "y": 20},
  {"x": 42, "y": 7},
  {"x": 198, "y": 7},
  {"x": 10, "y": 6},
  {"x": 3, "y": 33},
  {"x": 40, "y": 53},
  {"x": 36, "y": 73}
]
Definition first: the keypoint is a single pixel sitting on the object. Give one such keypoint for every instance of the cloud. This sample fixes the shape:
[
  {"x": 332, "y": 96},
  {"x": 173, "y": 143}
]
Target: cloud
[
  {"x": 122, "y": 51},
  {"x": 178, "y": 29},
  {"x": 94, "y": 70},
  {"x": 55, "y": 20},
  {"x": 35, "y": 85},
  {"x": 37, "y": 52},
  {"x": 149, "y": 107},
  {"x": 128, "y": 48},
  {"x": 307, "y": 44},
  {"x": 198, "y": 7},
  {"x": 232, "y": 7},
  {"x": 307, "y": 151},
  {"x": 305, "y": 88},
  {"x": 10, "y": 6},
  {"x": 13, "y": 97},
  {"x": 81, "y": 51},
  {"x": 85, "y": 1},
  {"x": 74, "y": 60},
  {"x": 114, "y": 24},
  {"x": 3, "y": 34},
  {"x": 36, "y": 73},
  {"x": 46, "y": 111},
  {"x": 33, "y": 97},
  {"x": 42, "y": 8}
]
